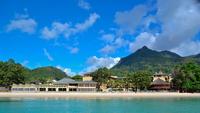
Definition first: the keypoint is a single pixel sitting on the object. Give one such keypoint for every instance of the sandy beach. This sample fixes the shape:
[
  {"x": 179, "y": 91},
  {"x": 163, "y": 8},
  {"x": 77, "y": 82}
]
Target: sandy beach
[{"x": 100, "y": 95}]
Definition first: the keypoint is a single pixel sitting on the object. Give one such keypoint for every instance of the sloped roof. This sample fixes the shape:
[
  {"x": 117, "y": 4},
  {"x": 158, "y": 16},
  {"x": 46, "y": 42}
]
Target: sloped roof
[
  {"x": 159, "y": 81},
  {"x": 68, "y": 80},
  {"x": 65, "y": 80},
  {"x": 160, "y": 73}
]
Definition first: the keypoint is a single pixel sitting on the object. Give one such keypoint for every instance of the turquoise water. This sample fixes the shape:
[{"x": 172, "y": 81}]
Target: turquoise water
[{"x": 66, "y": 105}]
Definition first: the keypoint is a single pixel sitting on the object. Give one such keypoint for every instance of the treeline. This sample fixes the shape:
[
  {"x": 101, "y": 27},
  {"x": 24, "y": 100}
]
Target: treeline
[
  {"x": 186, "y": 78},
  {"x": 135, "y": 80},
  {"x": 14, "y": 73}
]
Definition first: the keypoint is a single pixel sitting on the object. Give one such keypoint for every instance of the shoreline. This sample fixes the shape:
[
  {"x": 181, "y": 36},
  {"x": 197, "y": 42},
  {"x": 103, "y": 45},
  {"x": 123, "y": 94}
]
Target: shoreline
[{"x": 99, "y": 95}]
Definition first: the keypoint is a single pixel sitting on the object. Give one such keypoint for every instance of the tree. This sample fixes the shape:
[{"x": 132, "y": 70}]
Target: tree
[
  {"x": 77, "y": 77},
  {"x": 141, "y": 79},
  {"x": 101, "y": 76},
  {"x": 11, "y": 73},
  {"x": 187, "y": 77}
]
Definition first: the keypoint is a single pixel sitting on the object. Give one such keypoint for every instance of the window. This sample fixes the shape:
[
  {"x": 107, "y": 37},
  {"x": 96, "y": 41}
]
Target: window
[
  {"x": 62, "y": 89},
  {"x": 42, "y": 89},
  {"x": 73, "y": 84},
  {"x": 51, "y": 89},
  {"x": 72, "y": 89}
]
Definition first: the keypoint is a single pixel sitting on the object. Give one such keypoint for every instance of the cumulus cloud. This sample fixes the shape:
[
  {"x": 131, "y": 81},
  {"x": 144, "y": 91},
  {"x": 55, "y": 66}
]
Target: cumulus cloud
[
  {"x": 108, "y": 37},
  {"x": 84, "y": 5},
  {"x": 66, "y": 30},
  {"x": 180, "y": 22},
  {"x": 188, "y": 48},
  {"x": 129, "y": 20},
  {"x": 114, "y": 45},
  {"x": 108, "y": 49},
  {"x": 93, "y": 63},
  {"x": 143, "y": 39},
  {"x": 47, "y": 54},
  {"x": 56, "y": 29},
  {"x": 22, "y": 23},
  {"x": 68, "y": 71},
  {"x": 74, "y": 50},
  {"x": 88, "y": 23}
]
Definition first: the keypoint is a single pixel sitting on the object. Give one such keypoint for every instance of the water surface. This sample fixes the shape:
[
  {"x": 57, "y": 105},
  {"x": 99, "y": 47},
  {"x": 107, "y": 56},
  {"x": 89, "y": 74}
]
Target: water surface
[{"x": 112, "y": 105}]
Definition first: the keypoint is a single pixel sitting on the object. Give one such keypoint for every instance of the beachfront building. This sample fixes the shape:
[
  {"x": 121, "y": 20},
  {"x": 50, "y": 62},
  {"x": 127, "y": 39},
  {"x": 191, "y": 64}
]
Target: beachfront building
[
  {"x": 3, "y": 89},
  {"x": 161, "y": 81},
  {"x": 87, "y": 77},
  {"x": 63, "y": 85}
]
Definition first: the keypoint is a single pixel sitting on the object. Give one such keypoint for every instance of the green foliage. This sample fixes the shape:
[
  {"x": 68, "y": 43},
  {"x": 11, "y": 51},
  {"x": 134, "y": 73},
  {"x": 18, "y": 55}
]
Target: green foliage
[
  {"x": 101, "y": 76},
  {"x": 140, "y": 80},
  {"x": 46, "y": 74},
  {"x": 11, "y": 73},
  {"x": 153, "y": 61},
  {"x": 187, "y": 77},
  {"x": 119, "y": 72},
  {"x": 77, "y": 77}
]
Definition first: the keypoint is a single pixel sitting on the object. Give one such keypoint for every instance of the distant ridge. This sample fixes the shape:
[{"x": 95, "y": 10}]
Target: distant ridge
[
  {"x": 48, "y": 72},
  {"x": 148, "y": 59}
]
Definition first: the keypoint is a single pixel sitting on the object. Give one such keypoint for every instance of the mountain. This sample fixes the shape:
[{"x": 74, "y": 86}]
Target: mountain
[
  {"x": 15, "y": 73},
  {"x": 147, "y": 59},
  {"x": 48, "y": 72}
]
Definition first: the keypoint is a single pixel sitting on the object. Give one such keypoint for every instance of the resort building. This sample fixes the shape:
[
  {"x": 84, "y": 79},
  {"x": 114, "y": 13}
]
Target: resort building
[
  {"x": 161, "y": 81},
  {"x": 63, "y": 85},
  {"x": 87, "y": 78},
  {"x": 3, "y": 89}
]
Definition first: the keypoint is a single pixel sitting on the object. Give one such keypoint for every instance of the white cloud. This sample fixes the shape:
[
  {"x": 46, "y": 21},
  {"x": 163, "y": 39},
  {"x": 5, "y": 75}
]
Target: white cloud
[
  {"x": 68, "y": 71},
  {"x": 22, "y": 23},
  {"x": 128, "y": 21},
  {"x": 114, "y": 45},
  {"x": 56, "y": 30},
  {"x": 74, "y": 50},
  {"x": 47, "y": 54},
  {"x": 93, "y": 63},
  {"x": 143, "y": 39},
  {"x": 108, "y": 49},
  {"x": 88, "y": 23},
  {"x": 180, "y": 23},
  {"x": 84, "y": 5},
  {"x": 66, "y": 29},
  {"x": 108, "y": 37},
  {"x": 188, "y": 48}
]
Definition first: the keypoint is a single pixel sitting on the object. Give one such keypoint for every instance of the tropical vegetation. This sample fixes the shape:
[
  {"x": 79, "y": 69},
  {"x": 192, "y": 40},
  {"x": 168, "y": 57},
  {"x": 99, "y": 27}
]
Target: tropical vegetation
[
  {"x": 15, "y": 73},
  {"x": 187, "y": 77},
  {"x": 153, "y": 61},
  {"x": 134, "y": 72}
]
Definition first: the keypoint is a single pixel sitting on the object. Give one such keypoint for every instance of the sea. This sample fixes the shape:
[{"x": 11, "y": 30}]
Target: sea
[{"x": 99, "y": 105}]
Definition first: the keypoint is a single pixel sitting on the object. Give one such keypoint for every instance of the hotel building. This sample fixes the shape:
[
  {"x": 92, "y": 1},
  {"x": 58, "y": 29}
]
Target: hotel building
[
  {"x": 161, "y": 81},
  {"x": 63, "y": 85}
]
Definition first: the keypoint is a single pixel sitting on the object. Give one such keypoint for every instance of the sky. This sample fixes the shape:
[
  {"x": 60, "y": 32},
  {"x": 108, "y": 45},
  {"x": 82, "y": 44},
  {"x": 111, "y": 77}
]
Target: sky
[{"x": 80, "y": 36}]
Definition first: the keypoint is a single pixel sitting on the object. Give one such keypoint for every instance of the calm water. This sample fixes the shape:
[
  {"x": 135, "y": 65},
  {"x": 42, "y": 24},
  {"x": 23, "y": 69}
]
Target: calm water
[{"x": 28, "y": 105}]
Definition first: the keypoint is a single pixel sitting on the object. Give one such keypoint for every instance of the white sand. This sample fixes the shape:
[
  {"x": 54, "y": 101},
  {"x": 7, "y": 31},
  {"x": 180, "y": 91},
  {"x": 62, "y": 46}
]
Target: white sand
[{"x": 100, "y": 95}]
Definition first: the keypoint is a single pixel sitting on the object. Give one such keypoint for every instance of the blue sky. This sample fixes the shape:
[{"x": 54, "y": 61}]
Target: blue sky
[{"x": 79, "y": 36}]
